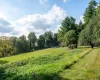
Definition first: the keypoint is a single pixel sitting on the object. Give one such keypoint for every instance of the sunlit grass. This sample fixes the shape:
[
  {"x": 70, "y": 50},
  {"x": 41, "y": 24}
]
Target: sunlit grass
[
  {"x": 87, "y": 68},
  {"x": 34, "y": 53},
  {"x": 43, "y": 64}
]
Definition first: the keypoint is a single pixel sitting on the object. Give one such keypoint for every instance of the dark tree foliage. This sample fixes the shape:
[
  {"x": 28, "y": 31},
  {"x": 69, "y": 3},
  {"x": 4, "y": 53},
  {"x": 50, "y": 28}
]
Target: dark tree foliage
[
  {"x": 90, "y": 11},
  {"x": 48, "y": 39},
  {"x": 55, "y": 39},
  {"x": 22, "y": 44},
  {"x": 80, "y": 27},
  {"x": 32, "y": 40},
  {"x": 41, "y": 42},
  {"x": 68, "y": 24}
]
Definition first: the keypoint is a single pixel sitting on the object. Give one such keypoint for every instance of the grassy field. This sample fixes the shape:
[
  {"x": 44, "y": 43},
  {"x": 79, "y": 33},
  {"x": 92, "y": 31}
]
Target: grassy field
[
  {"x": 47, "y": 64},
  {"x": 87, "y": 68}
]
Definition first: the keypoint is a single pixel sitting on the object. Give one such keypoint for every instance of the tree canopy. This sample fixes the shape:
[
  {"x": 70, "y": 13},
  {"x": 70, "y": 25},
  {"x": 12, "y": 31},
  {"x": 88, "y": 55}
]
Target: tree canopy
[
  {"x": 91, "y": 33},
  {"x": 90, "y": 11},
  {"x": 68, "y": 30}
]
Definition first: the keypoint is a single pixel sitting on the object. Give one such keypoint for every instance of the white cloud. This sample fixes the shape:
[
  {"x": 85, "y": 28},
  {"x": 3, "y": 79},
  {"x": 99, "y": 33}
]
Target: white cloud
[
  {"x": 43, "y": 1},
  {"x": 57, "y": 28},
  {"x": 39, "y": 23},
  {"x": 65, "y": 1},
  {"x": 81, "y": 18},
  {"x": 2, "y": 15}
]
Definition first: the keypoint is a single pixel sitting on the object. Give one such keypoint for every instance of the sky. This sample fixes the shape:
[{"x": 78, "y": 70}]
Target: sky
[{"x": 19, "y": 17}]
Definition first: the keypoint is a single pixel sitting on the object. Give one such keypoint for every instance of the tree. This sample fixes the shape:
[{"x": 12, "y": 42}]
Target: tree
[
  {"x": 90, "y": 11},
  {"x": 41, "y": 42},
  {"x": 32, "y": 40},
  {"x": 71, "y": 39},
  {"x": 55, "y": 39},
  {"x": 48, "y": 39},
  {"x": 6, "y": 47},
  {"x": 80, "y": 27},
  {"x": 22, "y": 44},
  {"x": 67, "y": 25},
  {"x": 13, "y": 40},
  {"x": 91, "y": 34}
]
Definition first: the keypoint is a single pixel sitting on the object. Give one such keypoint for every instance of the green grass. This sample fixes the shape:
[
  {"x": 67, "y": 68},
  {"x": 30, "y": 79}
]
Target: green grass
[
  {"x": 40, "y": 65},
  {"x": 31, "y": 54},
  {"x": 87, "y": 68}
]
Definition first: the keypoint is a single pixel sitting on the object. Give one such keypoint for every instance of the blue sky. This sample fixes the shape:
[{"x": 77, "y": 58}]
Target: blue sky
[{"x": 24, "y": 16}]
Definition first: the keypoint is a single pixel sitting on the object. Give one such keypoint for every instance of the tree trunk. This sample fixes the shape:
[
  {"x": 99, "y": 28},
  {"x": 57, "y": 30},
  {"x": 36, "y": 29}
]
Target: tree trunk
[
  {"x": 76, "y": 46},
  {"x": 91, "y": 45}
]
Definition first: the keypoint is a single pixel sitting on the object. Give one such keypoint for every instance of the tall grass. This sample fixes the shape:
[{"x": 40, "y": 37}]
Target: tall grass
[{"x": 40, "y": 65}]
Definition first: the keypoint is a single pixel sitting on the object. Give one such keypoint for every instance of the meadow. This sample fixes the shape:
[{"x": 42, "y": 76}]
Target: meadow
[
  {"x": 43, "y": 44},
  {"x": 44, "y": 64},
  {"x": 87, "y": 68}
]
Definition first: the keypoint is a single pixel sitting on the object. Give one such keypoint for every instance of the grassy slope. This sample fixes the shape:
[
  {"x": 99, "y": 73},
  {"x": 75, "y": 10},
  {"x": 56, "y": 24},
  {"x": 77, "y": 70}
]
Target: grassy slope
[
  {"x": 87, "y": 68},
  {"x": 42, "y": 64},
  {"x": 31, "y": 54}
]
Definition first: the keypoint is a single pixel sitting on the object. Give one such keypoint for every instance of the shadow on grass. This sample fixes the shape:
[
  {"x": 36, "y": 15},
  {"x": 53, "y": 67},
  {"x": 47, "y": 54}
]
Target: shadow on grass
[
  {"x": 3, "y": 62},
  {"x": 14, "y": 76},
  {"x": 4, "y": 75}
]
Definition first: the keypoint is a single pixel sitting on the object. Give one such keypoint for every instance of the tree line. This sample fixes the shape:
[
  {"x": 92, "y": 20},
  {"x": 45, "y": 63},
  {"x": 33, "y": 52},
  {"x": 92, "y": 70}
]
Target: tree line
[
  {"x": 13, "y": 45},
  {"x": 69, "y": 35}
]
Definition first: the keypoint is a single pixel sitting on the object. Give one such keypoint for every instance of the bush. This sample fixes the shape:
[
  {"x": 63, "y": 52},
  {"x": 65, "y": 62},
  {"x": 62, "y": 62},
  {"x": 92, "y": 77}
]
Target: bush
[{"x": 72, "y": 46}]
